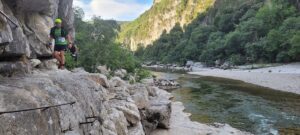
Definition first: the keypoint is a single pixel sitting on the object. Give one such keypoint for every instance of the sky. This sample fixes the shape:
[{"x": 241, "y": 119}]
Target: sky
[{"x": 121, "y": 10}]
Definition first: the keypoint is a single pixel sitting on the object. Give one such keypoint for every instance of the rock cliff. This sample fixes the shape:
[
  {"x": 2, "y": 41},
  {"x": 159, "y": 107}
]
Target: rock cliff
[
  {"x": 163, "y": 15},
  {"x": 24, "y": 30}
]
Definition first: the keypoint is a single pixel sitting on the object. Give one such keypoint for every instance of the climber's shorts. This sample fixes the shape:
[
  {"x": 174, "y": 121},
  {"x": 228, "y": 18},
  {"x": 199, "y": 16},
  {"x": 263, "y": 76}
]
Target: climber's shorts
[{"x": 59, "y": 48}]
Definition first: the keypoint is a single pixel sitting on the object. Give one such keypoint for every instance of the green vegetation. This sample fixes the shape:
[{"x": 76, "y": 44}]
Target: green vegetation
[
  {"x": 140, "y": 28},
  {"x": 141, "y": 74},
  {"x": 96, "y": 42},
  {"x": 70, "y": 62},
  {"x": 237, "y": 31}
]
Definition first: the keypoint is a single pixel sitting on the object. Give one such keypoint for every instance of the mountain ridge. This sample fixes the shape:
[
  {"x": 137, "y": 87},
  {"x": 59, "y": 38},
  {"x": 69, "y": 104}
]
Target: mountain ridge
[{"x": 163, "y": 15}]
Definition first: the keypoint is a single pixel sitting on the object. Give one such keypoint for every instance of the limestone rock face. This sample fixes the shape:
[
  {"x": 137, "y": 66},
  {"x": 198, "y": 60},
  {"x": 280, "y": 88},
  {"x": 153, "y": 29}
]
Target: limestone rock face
[
  {"x": 27, "y": 34},
  {"x": 162, "y": 16},
  {"x": 99, "y": 108},
  {"x": 5, "y": 31},
  {"x": 36, "y": 5},
  {"x": 12, "y": 68},
  {"x": 140, "y": 96}
]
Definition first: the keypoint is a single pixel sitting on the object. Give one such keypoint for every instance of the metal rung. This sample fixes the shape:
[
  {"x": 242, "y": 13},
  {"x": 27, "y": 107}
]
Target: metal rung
[
  {"x": 87, "y": 122},
  {"x": 39, "y": 108}
]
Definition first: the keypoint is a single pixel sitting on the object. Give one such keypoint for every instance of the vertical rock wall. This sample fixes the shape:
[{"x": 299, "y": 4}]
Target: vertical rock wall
[{"x": 33, "y": 19}]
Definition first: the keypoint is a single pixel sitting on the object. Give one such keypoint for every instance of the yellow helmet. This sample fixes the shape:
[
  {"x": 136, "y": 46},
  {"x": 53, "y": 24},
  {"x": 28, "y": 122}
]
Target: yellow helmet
[{"x": 58, "y": 20}]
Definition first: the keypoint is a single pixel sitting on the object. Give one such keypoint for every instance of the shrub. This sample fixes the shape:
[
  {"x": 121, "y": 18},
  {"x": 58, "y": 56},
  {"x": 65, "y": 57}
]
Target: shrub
[
  {"x": 142, "y": 74},
  {"x": 70, "y": 62}
]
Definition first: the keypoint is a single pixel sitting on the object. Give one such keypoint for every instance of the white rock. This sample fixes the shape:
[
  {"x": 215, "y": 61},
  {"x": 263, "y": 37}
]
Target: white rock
[
  {"x": 189, "y": 63},
  {"x": 79, "y": 70},
  {"x": 100, "y": 79},
  {"x": 117, "y": 82},
  {"x": 50, "y": 64},
  {"x": 103, "y": 70},
  {"x": 141, "y": 98},
  {"x": 35, "y": 62},
  {"x": 120, "y": 73}
]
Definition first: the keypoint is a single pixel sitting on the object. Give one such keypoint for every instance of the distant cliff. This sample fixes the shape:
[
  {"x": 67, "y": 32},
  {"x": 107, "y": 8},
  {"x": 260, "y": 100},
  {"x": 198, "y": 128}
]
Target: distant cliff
[{"x": 163, "y": 15}]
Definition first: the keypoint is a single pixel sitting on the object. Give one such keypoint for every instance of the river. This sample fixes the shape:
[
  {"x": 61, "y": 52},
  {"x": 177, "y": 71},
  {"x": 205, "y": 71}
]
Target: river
[{"x": 248, "y": 107}]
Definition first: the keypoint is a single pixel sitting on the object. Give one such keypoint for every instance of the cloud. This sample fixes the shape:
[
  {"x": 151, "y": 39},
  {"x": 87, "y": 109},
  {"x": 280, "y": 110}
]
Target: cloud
[
  {"x": 86, "y": 7},
  {"x": 122, "y": 10}
]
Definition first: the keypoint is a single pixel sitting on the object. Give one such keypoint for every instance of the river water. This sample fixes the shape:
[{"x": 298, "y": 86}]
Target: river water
[{"x": 248, "y": 107}]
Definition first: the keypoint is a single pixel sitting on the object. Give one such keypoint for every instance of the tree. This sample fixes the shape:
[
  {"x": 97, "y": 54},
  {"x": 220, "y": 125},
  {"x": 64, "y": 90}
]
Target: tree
[
  {"x": 97, "y": 42},
  {"x": 246, "y": 31},
  {"x": 294, "y": 52}
]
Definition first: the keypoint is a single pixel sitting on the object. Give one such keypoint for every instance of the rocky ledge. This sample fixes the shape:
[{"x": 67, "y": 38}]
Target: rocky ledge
[
  {"x": 102, "y": 107},
  {"x": 166, "y": 84}
]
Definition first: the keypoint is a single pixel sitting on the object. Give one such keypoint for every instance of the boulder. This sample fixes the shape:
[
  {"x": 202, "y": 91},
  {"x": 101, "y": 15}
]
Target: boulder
[
  {"x": 226, "y": 65},
  {"x": 161, "y": 112},
  {"x": 120, "y": 73},
  {"x": 141, "y": 98},
  {"x": 100, "y": 79},
  {"x": 119, "y": 122},
  {"x": 162, "y": 95},
  {"x": 156, "y": 116},
  {"x": 166, "y": 84},
  {"x": 152, "y": 91},
  {"x": 132, "y": 116},
  {"x": 35, "y": 62},
  {"x": 148, "y": 81},
  {"x": 120, "y": 92},
  {"x": 132, "y": 79},
  {"x": 103, "y": 70},
  {"x": 198, "y": 65},
  {"x": 50, "y": 64},
  {"x": 218, "y": 63},
  {"x": 129, "y": 110},
  {"x": 189, "y": 63},
  {"x": 117, "y": 82}
]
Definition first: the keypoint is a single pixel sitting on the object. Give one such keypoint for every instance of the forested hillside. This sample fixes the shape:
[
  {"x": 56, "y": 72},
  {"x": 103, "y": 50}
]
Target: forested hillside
[
  {"x": 96, "y": 42},
  {"x": 163, "y": 15},
  {"x": 236, "y": 31}
]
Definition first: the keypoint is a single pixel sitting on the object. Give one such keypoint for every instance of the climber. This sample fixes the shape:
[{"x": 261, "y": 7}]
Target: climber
[{"x": 62, "y": 41}]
